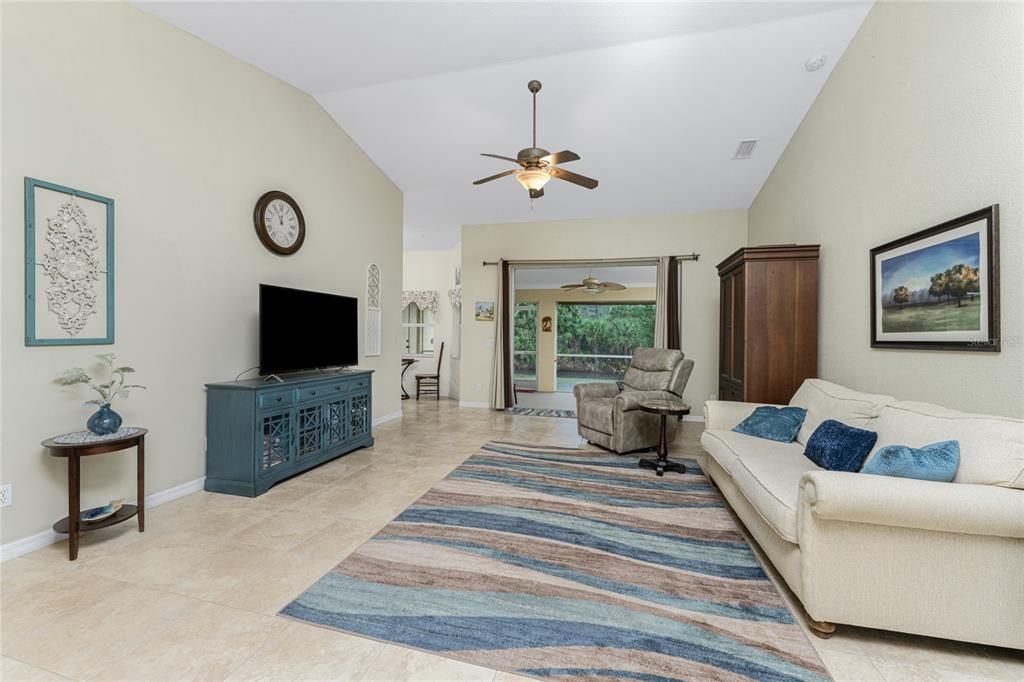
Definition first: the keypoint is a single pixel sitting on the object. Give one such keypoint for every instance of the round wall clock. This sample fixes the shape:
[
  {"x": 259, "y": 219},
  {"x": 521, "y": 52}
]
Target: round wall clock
[{"x": 279, "y": 223}]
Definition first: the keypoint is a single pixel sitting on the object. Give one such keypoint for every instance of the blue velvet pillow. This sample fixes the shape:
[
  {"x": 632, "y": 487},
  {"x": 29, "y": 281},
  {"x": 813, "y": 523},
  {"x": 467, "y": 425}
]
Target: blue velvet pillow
[
  {"x": 838, "y": 447},
  {"x": 774, "y": 423},
  {"x": 935, "y": 462}
]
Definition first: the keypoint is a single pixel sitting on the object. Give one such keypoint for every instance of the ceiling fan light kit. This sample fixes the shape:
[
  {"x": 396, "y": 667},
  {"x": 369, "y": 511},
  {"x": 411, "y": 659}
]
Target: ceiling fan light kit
[{"x": 539, "y": 165}]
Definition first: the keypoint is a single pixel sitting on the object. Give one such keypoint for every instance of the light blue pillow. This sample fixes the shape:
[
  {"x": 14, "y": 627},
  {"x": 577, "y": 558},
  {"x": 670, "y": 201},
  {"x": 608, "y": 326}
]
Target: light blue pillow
[
  {"x": 774, "y": 423},
  {"x": 935, "y": 462}
]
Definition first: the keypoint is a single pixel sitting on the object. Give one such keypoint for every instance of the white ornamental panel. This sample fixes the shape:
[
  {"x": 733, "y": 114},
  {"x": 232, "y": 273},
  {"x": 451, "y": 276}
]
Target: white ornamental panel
[{"x": 373, "y": 310}]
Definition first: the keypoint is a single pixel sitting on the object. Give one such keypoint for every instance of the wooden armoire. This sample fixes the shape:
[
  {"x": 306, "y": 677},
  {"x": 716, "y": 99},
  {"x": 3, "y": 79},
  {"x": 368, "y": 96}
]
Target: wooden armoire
[{"x": 769, "y": 322}]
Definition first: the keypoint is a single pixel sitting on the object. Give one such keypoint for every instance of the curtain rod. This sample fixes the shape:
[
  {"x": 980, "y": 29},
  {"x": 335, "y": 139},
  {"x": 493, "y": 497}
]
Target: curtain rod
[{"x": 593, "y": 261}]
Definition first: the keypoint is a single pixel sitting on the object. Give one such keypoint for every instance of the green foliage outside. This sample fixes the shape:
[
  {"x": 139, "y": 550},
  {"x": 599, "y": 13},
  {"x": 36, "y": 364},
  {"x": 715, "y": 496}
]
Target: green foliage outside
[{"x": 586, "y": 329}]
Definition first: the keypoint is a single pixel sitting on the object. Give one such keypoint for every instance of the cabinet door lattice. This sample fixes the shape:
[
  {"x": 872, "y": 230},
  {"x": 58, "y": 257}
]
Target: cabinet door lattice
[
  {"x": 310, "y": 429},
  {"x": 334, "y": 422},
  {"x": 277, "y": 432},
  {"x": 360, "y": 415}
]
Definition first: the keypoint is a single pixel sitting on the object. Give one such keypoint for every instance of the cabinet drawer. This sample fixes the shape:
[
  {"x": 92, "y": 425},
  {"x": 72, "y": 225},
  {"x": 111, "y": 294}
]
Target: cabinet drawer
[
  {"x": 275, "y": 398},
  {"x": 314, "y": 392}
]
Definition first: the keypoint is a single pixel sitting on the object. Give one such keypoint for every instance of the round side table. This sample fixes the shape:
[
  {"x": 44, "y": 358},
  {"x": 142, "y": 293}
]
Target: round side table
[
  {"x": 664, "y": 408},
  {"x": 72, "y": 524}
]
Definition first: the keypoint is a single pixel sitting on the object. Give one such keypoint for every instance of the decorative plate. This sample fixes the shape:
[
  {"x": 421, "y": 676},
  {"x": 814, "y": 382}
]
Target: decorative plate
[{"x": 100, "y": 513}]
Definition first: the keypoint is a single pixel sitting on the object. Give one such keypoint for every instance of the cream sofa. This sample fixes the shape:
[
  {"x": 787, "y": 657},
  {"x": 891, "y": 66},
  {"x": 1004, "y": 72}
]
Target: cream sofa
[{"x": 939, "y": 559}]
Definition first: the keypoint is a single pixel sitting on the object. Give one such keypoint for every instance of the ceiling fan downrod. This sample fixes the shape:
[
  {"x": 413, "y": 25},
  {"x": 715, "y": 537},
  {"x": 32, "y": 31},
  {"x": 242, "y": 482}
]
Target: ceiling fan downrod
[{"x": 534, "y": 87}]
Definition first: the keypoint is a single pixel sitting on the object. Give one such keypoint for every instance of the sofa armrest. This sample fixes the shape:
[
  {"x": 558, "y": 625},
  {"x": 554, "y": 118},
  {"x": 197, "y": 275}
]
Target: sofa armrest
[
  {"x": 910, "y": 503},
  {"x": 722, "y": 415},
  {"x": 595, "y": 390},
  {"x": 627, "y": 401}
]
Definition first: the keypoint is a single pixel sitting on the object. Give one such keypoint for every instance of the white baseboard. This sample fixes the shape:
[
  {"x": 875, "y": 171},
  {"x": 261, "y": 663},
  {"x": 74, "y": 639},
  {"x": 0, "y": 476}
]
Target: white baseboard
[
  {"x": 693, "y": 418},
  {"x": 16, "y": 548},
  {"x": 472, "y": 403},
  {"x": 387, "y": 418}
]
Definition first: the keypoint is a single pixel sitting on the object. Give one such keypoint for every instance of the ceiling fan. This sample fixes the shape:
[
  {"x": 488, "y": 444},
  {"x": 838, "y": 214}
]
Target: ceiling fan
[
  {"x": 539, "y": 165},
  {"x": 591, "y": 285}
]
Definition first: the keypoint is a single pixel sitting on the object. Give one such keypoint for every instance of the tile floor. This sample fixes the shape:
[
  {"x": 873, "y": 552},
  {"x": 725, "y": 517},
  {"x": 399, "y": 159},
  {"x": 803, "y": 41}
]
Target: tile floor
[{"x": 195, "y": 596}]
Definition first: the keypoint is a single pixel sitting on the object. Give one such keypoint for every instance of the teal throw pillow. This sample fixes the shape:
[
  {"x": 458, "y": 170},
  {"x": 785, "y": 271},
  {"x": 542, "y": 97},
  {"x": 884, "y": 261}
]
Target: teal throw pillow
[
  {"x": 935, "y": 462},
  {"x": 774, "y": 423}
]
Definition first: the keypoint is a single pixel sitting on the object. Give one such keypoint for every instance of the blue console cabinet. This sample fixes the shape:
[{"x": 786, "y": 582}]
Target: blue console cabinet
[{"x": 259, "y": 433}]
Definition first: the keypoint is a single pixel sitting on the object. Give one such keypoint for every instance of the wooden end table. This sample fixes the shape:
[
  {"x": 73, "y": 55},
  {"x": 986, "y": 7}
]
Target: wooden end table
[
  {"x": 664, "y": 408},
  {"x": 72, "y": 524}
]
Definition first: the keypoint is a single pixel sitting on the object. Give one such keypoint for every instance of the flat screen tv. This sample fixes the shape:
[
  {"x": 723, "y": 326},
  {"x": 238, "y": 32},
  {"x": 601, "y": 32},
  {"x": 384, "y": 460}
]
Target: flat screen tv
[{"x": 306, "y": 330}]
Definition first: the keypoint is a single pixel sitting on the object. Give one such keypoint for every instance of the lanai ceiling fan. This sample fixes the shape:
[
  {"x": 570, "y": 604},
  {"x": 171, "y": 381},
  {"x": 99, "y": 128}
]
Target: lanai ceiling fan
[
  {"x": 539, "y": 165},
  {"x": 592, "y": 285}
]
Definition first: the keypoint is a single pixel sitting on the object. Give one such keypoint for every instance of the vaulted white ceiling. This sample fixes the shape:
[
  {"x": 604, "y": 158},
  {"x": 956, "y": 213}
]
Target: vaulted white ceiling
[{"x": 653, "y": 96}]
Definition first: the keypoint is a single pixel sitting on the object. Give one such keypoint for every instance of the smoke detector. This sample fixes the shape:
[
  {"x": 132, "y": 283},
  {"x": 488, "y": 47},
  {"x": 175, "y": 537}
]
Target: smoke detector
[
  {"x": 815, "y": 62},
  {"x": 745, "y": 149}
]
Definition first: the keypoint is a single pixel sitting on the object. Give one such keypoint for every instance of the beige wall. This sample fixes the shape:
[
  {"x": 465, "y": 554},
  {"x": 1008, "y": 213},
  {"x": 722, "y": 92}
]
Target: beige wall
[
  {"x": 435, "y": 271},
  {"x": 920, "y": 122},
  {"x": 547, "y": 301},
  {"x": 185, "y": 138},
  {"x": 713, "y": 235}
]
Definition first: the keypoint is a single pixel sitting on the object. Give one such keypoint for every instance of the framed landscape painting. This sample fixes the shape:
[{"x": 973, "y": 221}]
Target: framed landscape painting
[{"x": 938, "y": 289}]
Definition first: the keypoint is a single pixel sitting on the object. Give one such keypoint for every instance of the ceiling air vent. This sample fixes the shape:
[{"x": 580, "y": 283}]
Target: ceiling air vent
[{"x": 745, "y": 149}]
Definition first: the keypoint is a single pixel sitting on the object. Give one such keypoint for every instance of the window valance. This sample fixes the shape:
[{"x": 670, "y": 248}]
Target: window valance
[
  {"x": 425, "y": 299},
  {"x": 455, "y": 297}
]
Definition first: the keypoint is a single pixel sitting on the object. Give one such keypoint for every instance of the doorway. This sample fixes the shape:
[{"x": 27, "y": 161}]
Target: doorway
[{"x": 566, "y": 333}]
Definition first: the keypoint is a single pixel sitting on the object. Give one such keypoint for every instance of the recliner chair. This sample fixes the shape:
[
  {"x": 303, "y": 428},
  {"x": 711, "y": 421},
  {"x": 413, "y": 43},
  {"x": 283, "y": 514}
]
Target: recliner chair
[{"x": 611, "y": 418}]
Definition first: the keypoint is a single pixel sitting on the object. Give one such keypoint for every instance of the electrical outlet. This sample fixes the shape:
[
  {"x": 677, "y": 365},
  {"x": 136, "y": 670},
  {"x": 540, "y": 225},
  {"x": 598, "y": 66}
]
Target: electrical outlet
[{"x": 6, "y": 498}]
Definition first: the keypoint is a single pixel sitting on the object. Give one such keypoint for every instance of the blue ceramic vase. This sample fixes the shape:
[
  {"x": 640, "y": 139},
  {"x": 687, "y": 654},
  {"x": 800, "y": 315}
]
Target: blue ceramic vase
[{"x": 104, "y": 422}]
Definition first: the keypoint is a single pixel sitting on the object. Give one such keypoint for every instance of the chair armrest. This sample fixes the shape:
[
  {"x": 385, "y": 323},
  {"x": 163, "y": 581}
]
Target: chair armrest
[
  {"x": 595, "y": 390},
  {"x": 722, "y": 415},
  {"x": 630, "y": 400},
  {"x": 910, "y": 503}
]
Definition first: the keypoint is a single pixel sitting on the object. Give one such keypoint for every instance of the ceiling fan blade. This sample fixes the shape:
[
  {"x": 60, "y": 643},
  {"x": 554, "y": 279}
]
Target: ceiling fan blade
[
  {"x": 614, "y": 286},
  {"x": 495, "y": 177},
  {"x": 503, "y": 158},
  {"x": 536, "y": 193},
  {"x": 569, "y": 176},
  {"x": 568, "y": 287},
  {"x": 564, "y": 156}
]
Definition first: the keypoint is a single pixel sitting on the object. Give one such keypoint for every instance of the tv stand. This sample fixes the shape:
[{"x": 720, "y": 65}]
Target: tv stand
[{"x": 258, "y": 434}]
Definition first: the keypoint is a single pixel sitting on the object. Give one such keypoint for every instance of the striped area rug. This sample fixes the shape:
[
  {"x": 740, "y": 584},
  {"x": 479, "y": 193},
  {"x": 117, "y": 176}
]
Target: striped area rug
[
  {"x": 541, "y": 412},
  {"x": 569, "y": 565}
]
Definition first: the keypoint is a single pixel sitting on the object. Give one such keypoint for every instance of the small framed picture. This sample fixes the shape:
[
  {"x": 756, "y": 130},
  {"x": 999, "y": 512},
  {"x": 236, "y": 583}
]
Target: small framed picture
[
  {"x": 545, "y": 323},
  {"x": 484, "y": 311},
  {"x": 938, "y": 289}
]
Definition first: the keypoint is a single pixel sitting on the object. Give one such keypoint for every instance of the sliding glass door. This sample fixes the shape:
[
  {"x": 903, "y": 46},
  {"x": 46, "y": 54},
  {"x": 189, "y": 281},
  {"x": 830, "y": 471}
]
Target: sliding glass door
[
  {"x": 596, "y": 340},
  {"x": 524, "y": 349}
]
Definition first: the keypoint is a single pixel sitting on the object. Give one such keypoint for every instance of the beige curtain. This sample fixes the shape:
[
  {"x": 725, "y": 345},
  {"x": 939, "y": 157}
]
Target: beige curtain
[
  {"x": 501, "y": 377},
  {"x": 666, "y": 304}
]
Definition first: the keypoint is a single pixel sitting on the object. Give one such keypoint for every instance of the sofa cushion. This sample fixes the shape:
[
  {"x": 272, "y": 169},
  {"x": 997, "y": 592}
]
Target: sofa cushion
[
  {"x": 839, "y": 447},
  {"x": 991, "y": 448},
  {"x": 766, "y": 472},
  {"x": 770, "y": 480},
  {"x": 825, "y": 400},
  {"x": 596, "y": 414},
  {"x": 726, "y": 446}
]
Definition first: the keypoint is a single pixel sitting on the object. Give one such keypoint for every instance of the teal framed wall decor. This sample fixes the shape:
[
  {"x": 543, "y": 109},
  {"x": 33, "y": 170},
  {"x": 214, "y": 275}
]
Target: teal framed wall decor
[{"x": 69, "y": 266}]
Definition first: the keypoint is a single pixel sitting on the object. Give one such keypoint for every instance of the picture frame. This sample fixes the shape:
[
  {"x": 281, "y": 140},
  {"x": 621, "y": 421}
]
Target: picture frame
[
  {"x": 545, "y": 323},
  {"x": 483, "y": 311},
  {"x": 938, "y": 289},
  {"x": 69, "y": 266}
]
